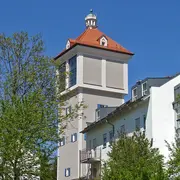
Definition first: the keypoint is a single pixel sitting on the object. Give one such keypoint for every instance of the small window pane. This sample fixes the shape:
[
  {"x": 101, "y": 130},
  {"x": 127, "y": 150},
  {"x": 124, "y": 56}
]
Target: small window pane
[
  {"x": 68, "y": 110},
  {"x": 85, "y": 136},
  {"x": 144, "y": 86},
  {"x": 62, "y": 141},
  {"x": 67, "y": 172},
  {"x": 104, "y": 139},
  {"x": 134, "y": 92},
  {"x": 97, "y": 114},
  {"x": 72, "y": 71},
  {"x": 74, "y": 137}
]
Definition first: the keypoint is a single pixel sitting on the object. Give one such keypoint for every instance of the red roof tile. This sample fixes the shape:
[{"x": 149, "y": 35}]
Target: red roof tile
[{"x": 91, "y": 37}]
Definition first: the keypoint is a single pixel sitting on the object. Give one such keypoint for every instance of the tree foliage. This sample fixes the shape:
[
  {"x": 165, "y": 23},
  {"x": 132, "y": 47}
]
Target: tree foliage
[
  {"x": 29, "y": 131},
  {"x": 173, "y": 163},
  {"x": 133, "y": 158}
]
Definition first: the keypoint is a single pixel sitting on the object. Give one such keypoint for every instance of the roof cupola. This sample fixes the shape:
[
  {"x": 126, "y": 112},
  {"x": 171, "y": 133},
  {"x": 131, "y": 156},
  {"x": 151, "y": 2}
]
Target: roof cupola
[{"x": 91, "y": 20}]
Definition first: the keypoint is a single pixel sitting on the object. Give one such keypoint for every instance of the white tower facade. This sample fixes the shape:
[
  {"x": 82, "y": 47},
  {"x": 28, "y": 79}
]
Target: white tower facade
[{"x": 98, "y": 69}]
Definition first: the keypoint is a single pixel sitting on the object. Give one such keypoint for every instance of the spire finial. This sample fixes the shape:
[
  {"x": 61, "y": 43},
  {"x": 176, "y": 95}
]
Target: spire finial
[{"x": 91, "y": 20}]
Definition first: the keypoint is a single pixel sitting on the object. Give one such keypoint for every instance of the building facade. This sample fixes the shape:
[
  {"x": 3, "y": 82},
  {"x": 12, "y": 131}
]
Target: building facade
[
  {"x": 93, "y": 62},
  {"x": 153, "y": 108}
]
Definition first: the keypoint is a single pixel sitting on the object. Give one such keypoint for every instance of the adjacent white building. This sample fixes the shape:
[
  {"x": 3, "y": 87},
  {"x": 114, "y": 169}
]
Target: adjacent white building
[
  {"x": 153, "y": 108},
  {"x": 97, "y": 69}
]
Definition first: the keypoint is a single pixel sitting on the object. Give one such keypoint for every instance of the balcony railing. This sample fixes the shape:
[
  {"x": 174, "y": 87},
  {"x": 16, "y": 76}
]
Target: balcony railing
[{"x": 90, "y": 156}]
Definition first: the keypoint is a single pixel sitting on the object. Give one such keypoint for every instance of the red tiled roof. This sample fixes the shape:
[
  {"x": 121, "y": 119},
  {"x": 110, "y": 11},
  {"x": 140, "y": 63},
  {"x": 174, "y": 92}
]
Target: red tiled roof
[{"x": 91, "y": 37}]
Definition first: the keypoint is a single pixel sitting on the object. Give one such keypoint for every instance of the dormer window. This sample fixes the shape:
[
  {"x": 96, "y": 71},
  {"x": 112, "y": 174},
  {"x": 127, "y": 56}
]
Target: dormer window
[
  {"x": 144, "y": 88},
  {"x": 103, "y": 41},
  {"x": 68, "y": 45},
  {"x": 134, "y": 93}
]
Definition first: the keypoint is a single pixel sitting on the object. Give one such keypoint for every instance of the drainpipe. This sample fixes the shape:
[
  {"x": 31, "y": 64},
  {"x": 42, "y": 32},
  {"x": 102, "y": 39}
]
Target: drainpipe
[{"x": 112, "y": 127}]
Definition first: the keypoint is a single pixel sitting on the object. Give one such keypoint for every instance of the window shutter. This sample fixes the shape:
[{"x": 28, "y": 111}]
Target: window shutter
[
  {"x": 63, "y": 140},
  {"x": 65, "y": 172},
  {"x": 69, "y": 172},
  {"x": 75, "y": 136},
  {"x": 66, "y": 111},
  {"x": 71, "y": 137}
]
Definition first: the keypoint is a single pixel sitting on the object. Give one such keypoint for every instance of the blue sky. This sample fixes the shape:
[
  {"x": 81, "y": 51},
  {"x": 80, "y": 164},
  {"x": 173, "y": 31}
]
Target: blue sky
[{"x": 150, "y": 29}]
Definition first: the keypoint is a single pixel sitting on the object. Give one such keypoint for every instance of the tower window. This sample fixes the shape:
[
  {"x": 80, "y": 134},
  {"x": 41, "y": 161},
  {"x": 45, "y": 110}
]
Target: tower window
[
  {"x": 72, "y": 71},
  {"x": 68, "y": 110},
  {"x": 62, "y": 141},
  {"x": 67, "y": 172},
  {"x": 74, "y": 137}
]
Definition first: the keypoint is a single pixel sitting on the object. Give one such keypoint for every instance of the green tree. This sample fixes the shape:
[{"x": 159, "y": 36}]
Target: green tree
[
  {"x": 133, "y": 158},
  {"x": 174, "y": 159},
  {"x": 29, "y": 104},
  {"x": 173, "y": 163}
]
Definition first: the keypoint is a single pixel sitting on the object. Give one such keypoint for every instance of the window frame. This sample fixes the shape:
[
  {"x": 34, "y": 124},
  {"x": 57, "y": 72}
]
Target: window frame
[
  {"x": 62, "y": 141},
  {"x": 133, "y": 96},
  {"x": 144, "y": 91},
  {"x": 97, "y": 114},
  {"x": 72, "y": 62},
  {"x": 104, "y": 140},
  {"x": 68, "y": 110},
  {"x": 73, "y": 137},
  {"x": 69, "y": 172},
  {"x": 103, "y": 41}
]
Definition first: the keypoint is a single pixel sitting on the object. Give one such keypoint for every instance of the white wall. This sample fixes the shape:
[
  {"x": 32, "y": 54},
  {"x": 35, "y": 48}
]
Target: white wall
[
  {"x": 160, "y": 119},
  {"x": 126, "y": 118},
  {"x": 163, "y": 115}
]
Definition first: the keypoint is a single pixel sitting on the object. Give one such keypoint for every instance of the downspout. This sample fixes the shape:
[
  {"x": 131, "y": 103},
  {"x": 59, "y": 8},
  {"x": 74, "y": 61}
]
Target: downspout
[{"x": 112, "y": 127}]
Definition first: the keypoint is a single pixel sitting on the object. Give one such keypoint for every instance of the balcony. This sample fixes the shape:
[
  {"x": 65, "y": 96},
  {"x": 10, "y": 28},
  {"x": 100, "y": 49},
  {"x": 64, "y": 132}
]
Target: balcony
[
  {"x": 90, "y": 156},
  {"x": 176, "y": 105}
]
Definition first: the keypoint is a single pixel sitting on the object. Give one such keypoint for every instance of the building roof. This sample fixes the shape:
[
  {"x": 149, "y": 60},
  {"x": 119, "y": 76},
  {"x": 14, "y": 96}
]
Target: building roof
[
  {"x": 147, "y": 78},
  {"x": 119, "y": 109},
  {"x": 91, "y": 37}
]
